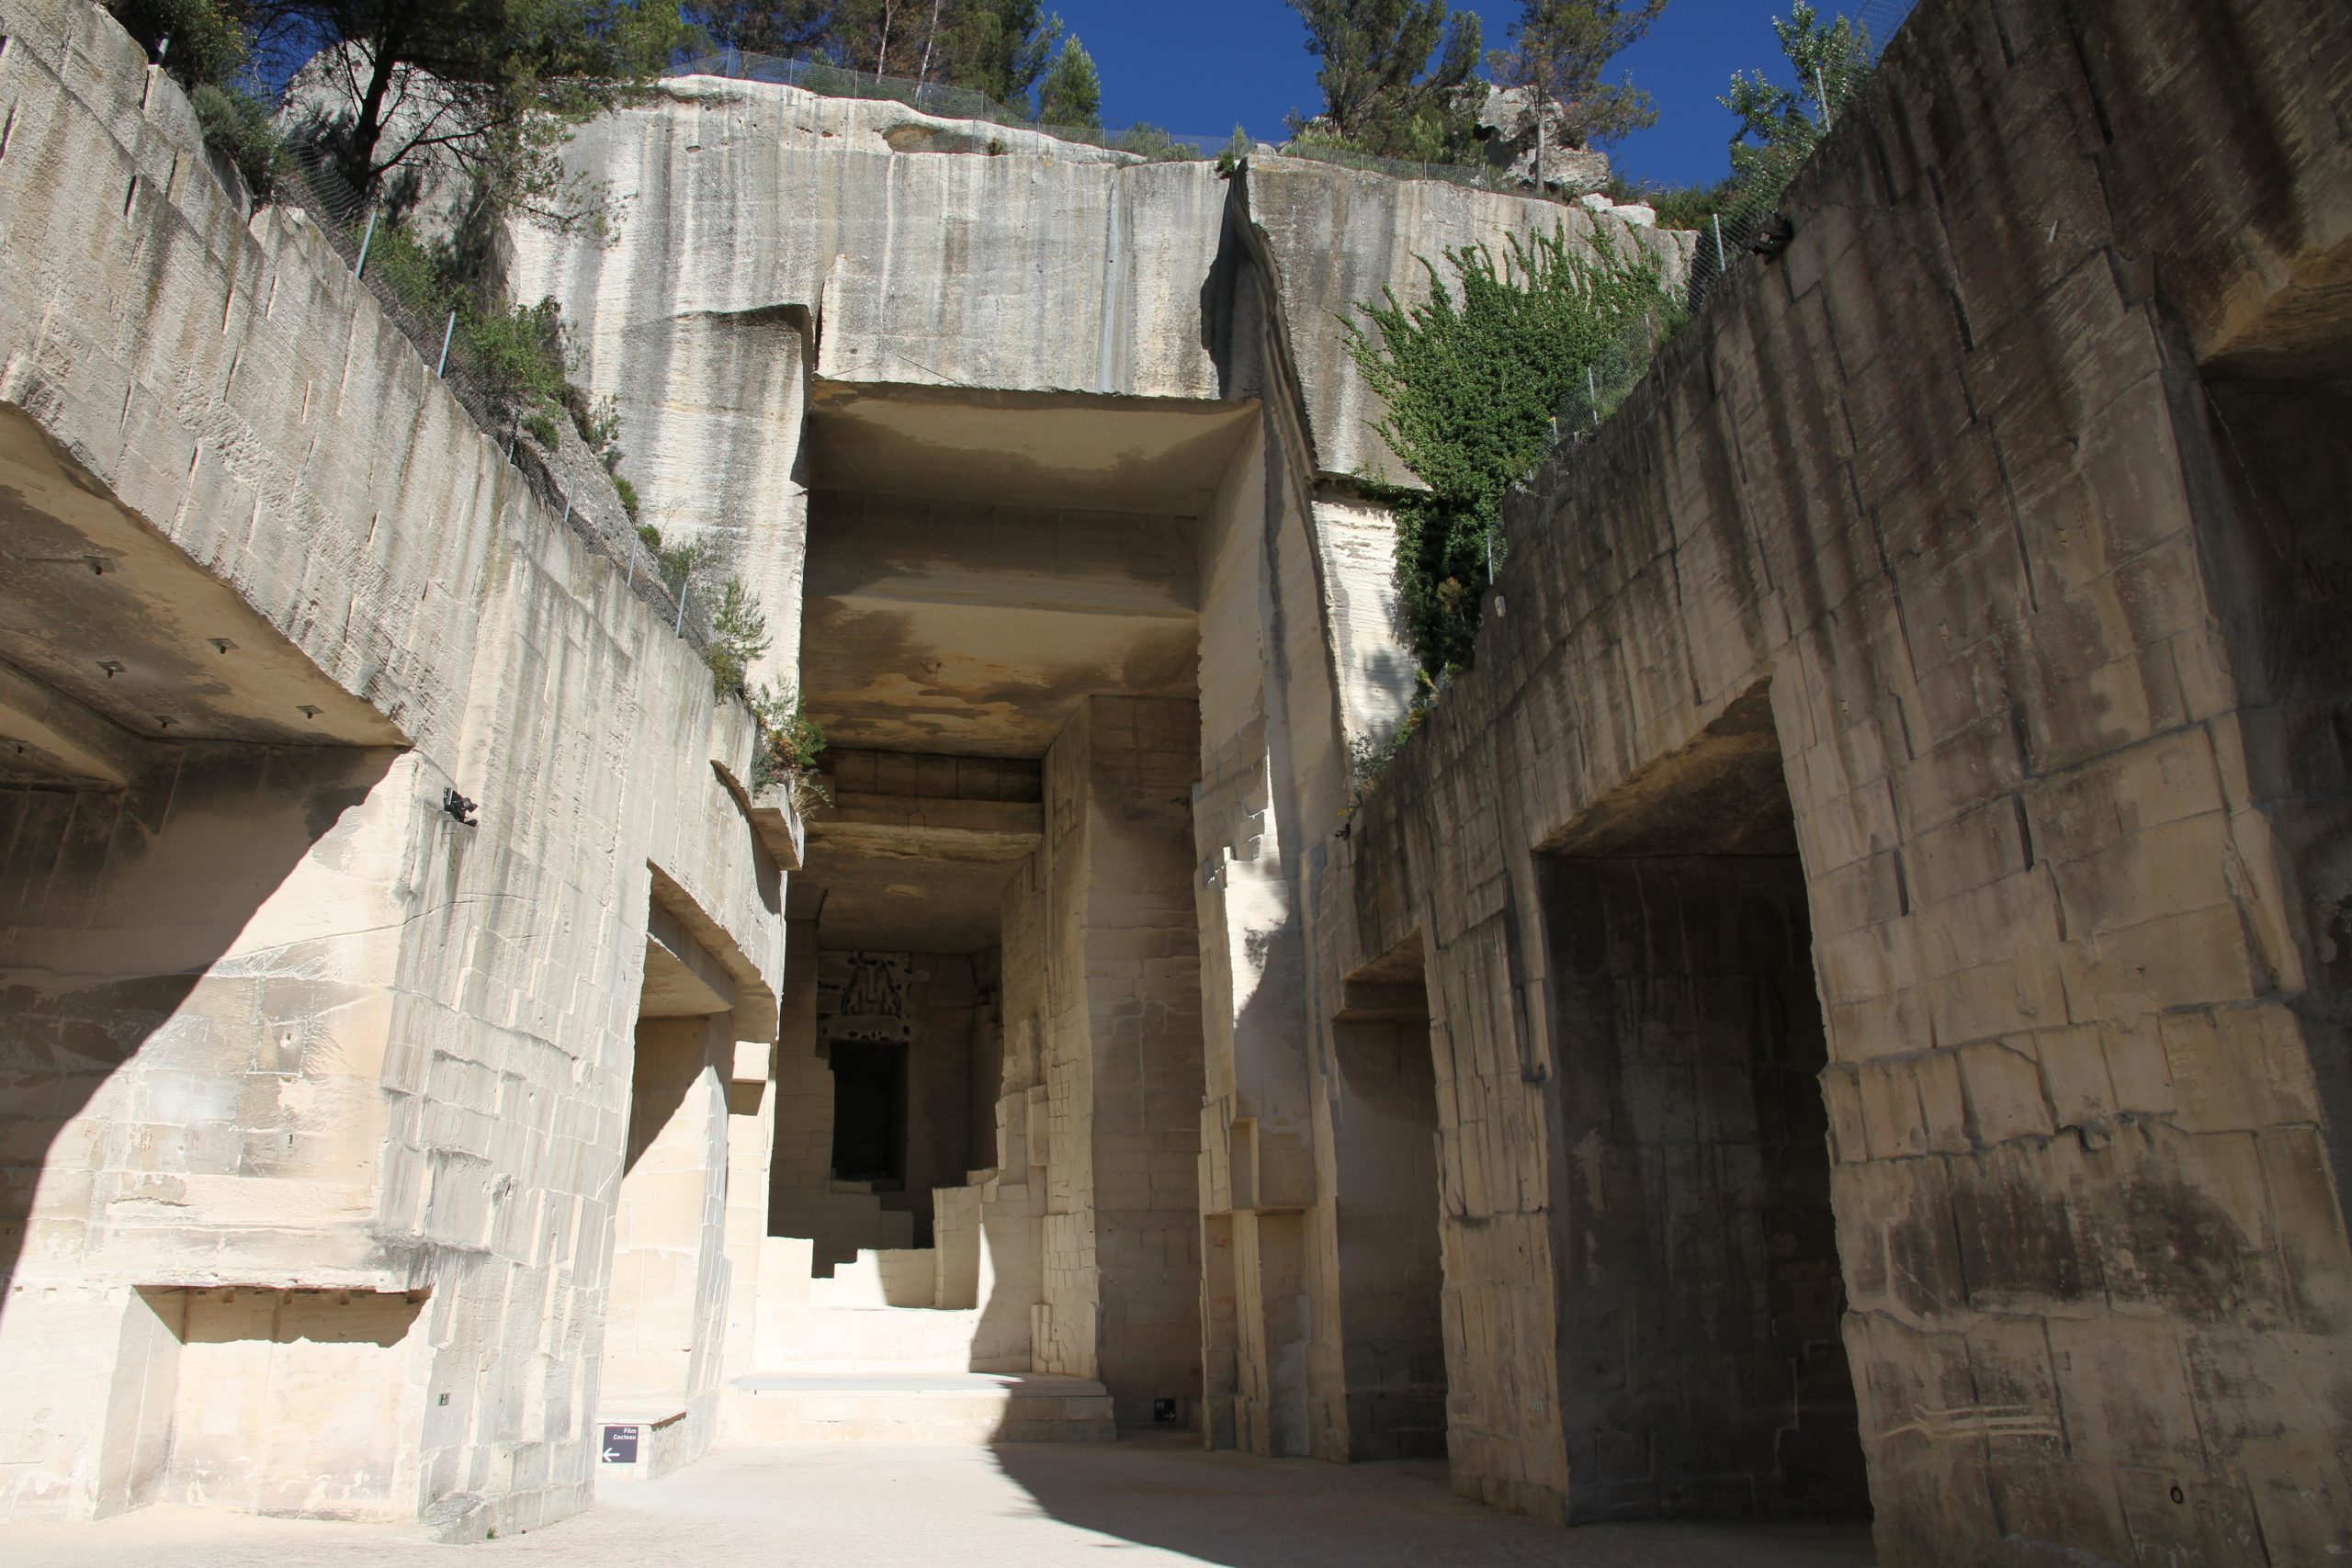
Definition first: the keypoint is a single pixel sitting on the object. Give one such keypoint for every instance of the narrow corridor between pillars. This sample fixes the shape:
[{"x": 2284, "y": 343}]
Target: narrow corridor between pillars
[
  {"x": 1391, "y": 1274},
  {"x": 983, "y": 1215}
]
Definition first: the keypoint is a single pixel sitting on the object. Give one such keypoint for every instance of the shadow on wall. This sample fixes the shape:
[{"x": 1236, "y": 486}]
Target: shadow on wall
[
  {"x": 178, "y": 954},
  {"x": 1246, "y": 1512}
]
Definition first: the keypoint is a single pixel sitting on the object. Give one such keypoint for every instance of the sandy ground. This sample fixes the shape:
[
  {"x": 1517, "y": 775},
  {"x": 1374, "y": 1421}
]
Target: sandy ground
[{"x": 1157, "y": 1502}]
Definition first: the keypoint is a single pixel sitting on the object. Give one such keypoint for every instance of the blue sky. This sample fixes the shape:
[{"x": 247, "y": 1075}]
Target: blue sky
[{"x": 1200, "y": 66}]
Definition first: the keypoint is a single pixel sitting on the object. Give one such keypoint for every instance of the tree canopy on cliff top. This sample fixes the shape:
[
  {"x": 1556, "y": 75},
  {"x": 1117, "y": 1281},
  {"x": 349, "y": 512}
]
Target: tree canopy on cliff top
[
  {"x": 1399, "y": 77},
  {"x": 492, "y": 86},
  {"x": 997, "y": 48},
  {"x": 1393, "y": 74},
  {"x": 1071, "y": 93},
  {"x": 1779, "y": 126},
  {"x": 1559, "y": 49}
]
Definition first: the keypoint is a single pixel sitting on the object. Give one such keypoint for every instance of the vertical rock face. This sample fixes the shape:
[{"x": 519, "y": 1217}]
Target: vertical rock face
[
  {"x": 1840, "y": 1010},
  {"x": 318, "y": 1077},
  {"x": 1984, "y": 606}
]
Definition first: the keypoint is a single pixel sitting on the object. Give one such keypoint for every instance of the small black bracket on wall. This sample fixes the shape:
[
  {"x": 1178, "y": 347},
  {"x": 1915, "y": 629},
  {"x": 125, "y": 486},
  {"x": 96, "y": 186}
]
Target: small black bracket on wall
[{"x": 1774, "y": 238}]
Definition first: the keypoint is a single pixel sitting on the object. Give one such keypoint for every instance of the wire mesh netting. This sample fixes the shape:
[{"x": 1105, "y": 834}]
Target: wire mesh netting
[
  {"x": 1742, "y": 223},
  {"x": 415, "y": 299},
  {"x": 1877, "y": 19},
  {"x": 1746, "y": 219},
  {"x": 1141, "y": 138},
  {"x": 485, "y": 383}
]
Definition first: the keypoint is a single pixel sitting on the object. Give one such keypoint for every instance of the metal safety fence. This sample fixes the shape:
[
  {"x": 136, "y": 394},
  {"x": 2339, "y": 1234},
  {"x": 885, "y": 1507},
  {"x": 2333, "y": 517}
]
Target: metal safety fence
[
  {"x": 1142, "y": 137},
  {"x": 1746, "y": 219},
  {"x": 1743, "y": 222},
  {"x": 384, "y": 256},
  {"x": 415, "y": 298}
]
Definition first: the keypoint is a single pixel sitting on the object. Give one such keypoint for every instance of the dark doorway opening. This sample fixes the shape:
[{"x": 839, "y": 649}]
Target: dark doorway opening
[
  {"x": 1391, "y": 1275},
  {"x": 1702, "y": 1368},
  {"x": 870, "y": 1114}
]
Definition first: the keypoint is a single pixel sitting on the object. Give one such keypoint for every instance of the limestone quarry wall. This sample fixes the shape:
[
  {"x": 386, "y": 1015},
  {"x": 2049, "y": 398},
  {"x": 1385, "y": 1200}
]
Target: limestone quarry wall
[
  {"x": 783, "y": 252},
  {"x": 773, "y": 236},
  {"x": 1938, "y": 526},
  {"x": 1853, "y": 975},
  {"x": 281, "y": 1036}
]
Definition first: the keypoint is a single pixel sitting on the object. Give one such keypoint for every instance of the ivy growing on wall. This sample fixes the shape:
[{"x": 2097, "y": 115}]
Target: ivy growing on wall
[{"x": 1475, "y": 377}]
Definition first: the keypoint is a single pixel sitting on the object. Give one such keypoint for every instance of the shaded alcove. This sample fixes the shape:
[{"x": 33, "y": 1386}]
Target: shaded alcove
[
  {"x": 1391, "y": 1265},
  {"x": 2275, "y": 422},
  {"x": 1702, "y": 1371},
  {"x": 664, "y": 1237},
  {"x": 870, "y": 1114}
]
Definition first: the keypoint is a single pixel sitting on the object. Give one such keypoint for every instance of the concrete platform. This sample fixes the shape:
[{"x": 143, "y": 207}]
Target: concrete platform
[
  {"x": 915, "y": 1339},
  {"x": 1155, "y": 1502},
  {"x": 915, "y": 1408}
]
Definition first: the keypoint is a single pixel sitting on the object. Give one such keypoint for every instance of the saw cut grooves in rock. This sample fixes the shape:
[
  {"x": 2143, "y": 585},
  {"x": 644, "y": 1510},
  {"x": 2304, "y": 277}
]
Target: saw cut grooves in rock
[{"x": 1835, "y": 1014}]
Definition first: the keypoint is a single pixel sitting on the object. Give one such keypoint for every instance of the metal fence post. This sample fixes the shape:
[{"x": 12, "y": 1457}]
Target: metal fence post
[
  {"x": 1723, "y": 264},
  {"x": 684, "y": 589},
  {"x": 366, "y": 240},
  {"x": 447, "y": 333}
]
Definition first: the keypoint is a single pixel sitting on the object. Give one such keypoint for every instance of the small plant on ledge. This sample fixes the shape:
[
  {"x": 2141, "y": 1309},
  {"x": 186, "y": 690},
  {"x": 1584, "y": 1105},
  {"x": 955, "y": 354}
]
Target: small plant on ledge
[
  {"x": 1369, "y": 758},
  {"x": 789, "y": 742},
  {"x": 739, "y": 635}
]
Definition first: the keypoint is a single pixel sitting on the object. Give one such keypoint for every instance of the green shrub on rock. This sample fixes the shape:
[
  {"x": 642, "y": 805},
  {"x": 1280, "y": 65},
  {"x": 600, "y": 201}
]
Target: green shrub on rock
[{"x": 1474, "y": 377}]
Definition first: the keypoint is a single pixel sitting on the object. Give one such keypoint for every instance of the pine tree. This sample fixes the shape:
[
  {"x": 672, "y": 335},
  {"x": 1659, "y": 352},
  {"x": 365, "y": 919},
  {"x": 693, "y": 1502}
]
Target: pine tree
[
  {"x": 998, "y": 48},
  {"x": 1558, "y": 51},
  {"x": 494, "y": 86},
  {"x": 1071, "y": 93},
  {"x": 768, "y": 27},
  {"x": 199, "y": 42},
  {"x": 1397, "y": 75},
  {"x": 1777, "y": 126}
]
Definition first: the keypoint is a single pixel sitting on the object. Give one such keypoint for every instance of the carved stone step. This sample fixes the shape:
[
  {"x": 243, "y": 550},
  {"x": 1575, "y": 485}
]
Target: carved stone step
[{"x": 871, "y": 1406}]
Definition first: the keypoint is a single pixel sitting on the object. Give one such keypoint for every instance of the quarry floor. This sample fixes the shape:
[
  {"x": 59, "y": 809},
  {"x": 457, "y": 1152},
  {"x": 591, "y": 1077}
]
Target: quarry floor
[{"x": 869, "y": 1506}]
